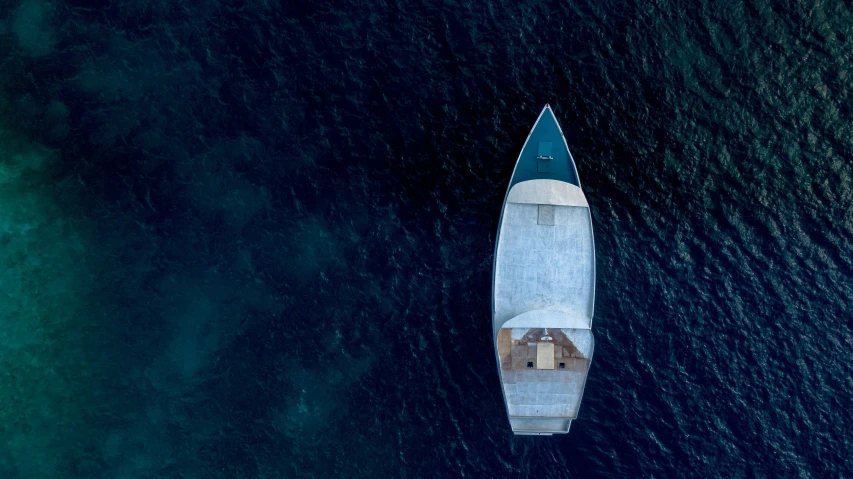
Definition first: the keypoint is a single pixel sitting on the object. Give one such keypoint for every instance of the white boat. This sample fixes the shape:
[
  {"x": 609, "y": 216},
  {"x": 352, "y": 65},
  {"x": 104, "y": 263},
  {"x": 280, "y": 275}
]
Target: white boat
[{"x": 543, "y": 286}]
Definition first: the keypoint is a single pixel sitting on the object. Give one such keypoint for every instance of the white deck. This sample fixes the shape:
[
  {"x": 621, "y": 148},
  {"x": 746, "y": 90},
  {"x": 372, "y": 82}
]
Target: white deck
[
  {"x": 545, "y": 267},
  {"x": 544, "y": 278},
  {"x": 535, "y": 393}
]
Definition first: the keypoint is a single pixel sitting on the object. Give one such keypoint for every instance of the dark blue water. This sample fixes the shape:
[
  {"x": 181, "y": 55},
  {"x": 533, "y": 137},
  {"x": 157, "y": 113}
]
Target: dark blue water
[{"x": 251, "y": 239}]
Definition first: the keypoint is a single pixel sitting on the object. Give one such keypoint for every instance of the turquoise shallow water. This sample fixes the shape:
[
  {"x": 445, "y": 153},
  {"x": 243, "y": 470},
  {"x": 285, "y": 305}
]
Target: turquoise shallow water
[{"x": 255, "y": 239}]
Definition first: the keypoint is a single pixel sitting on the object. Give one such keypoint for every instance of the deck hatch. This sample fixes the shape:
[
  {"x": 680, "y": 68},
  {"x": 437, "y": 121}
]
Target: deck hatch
[
  {"x": 544, "y": 355},
  {"x": 546, "y": 215}
]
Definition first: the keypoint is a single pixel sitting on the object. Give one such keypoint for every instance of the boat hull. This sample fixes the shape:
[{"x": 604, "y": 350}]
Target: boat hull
[{"x": 543, "y": 286}]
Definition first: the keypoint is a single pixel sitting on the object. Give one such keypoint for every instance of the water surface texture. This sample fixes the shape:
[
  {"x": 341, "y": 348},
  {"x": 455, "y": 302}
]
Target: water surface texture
[{"x": 254, "y": 239}]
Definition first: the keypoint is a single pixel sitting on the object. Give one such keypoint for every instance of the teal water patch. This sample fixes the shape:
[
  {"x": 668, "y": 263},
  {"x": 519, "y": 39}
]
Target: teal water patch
[
  {"x": 33, "y": 27},
  {"x": 52, "y": 380}
]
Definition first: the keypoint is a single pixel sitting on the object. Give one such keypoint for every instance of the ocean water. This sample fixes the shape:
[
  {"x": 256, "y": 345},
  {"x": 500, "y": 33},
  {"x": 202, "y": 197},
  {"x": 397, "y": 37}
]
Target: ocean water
[{"x": 254, "y": 239}]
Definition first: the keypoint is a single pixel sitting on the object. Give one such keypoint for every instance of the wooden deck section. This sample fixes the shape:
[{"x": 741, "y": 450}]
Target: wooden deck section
[{"x": 519, "y": 354}]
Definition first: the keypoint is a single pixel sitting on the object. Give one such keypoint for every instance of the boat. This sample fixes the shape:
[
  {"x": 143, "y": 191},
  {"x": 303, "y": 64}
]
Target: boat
[{"x": 543, "y": 286}]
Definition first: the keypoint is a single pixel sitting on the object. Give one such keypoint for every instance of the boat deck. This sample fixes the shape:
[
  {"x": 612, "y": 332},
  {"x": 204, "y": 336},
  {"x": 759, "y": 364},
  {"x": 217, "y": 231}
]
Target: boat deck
[
  {"x": 536, "y": 385},
  {"x": 544, "y": 266}
]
